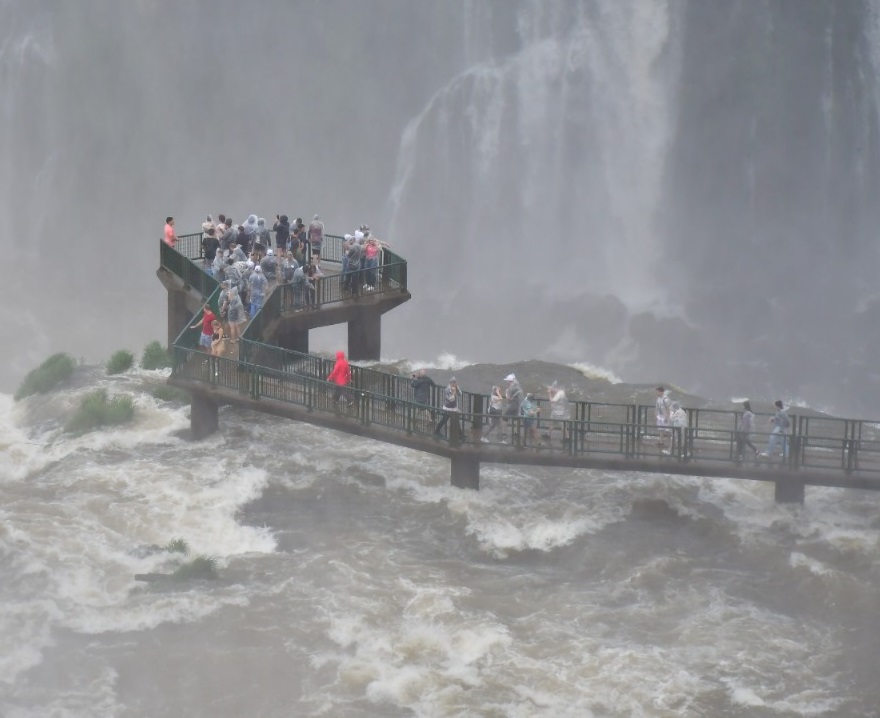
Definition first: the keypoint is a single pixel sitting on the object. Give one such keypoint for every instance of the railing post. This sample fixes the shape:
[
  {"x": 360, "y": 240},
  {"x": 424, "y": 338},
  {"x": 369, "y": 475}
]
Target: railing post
[
  {"x": 477, "y": 415},
  {"x": 454, "y": 425}
]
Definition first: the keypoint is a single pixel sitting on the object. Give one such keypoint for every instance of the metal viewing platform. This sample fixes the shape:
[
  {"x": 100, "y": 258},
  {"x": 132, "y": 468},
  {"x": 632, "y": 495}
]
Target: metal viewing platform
[{"x": 273, "y": 372}]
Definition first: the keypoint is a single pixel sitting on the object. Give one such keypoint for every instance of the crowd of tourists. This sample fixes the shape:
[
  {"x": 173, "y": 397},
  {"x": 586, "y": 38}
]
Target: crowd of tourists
[
  {"x": 250, "y": 259},
  {"x": 510, "y": 401},
  {"x": 505, "y": 404},
  {"x": 241, "y": 257}
]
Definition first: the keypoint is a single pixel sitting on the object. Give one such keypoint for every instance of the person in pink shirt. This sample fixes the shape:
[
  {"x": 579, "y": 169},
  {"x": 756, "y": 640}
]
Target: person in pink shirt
[{"x": 170, "y": 236}]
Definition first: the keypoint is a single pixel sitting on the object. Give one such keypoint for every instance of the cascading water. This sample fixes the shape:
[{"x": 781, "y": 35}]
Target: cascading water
[
  {"x": 538, "y": 175},
  {"x": 679, "y": 190},
  {"x": 685, "y": 190}
]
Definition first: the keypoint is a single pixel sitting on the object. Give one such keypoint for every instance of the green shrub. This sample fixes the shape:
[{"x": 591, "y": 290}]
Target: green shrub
[
  {"x": 50, "y": 373},
  {"x": 163, "y": 392},
  {"x": 120, "y": 361},
  {"x": 98, "y": 410},
  {"x": 200, "y": 567},
  {"x": 155, "y": 357},
  {"x": 177, "y": 545}
]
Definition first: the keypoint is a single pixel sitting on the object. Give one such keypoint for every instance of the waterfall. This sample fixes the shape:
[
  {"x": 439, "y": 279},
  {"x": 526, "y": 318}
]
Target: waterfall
[{"x": 552, "y": 157}]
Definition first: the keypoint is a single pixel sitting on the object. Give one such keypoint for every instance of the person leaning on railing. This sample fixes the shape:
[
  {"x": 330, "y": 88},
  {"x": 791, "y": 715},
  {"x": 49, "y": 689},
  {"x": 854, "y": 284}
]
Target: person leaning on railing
[{"x": 421, "y": 385}]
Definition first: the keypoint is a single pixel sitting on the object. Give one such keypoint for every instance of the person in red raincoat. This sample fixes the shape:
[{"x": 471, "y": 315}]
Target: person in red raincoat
[{"x": 341, "y": 376}]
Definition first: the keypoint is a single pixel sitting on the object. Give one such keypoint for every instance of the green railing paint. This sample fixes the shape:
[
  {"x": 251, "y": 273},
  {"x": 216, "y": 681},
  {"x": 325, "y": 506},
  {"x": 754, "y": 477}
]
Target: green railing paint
[{"x": 266, "y": 371}]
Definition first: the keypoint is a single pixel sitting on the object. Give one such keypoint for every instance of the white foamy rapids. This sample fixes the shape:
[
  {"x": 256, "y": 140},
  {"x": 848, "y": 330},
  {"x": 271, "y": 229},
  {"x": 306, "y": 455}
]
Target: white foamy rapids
[
  {"x": 578, "y": 648},
  {"x": 75, "y": 509},
  {"x": 512, "y": 512},
  {"x": 446, "y": 361},
  {"x": 596, "y": 372},
  {"x": 835, "y": 520}
]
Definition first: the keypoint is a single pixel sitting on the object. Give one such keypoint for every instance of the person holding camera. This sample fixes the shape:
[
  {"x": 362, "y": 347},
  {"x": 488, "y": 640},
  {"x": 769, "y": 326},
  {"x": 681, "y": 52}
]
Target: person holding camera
[{"x": 451, "y": 397}]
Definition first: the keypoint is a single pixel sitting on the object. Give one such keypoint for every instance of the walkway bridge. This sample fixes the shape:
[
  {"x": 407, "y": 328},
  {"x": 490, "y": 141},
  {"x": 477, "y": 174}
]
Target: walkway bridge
[{"x": 273, "y": 372}]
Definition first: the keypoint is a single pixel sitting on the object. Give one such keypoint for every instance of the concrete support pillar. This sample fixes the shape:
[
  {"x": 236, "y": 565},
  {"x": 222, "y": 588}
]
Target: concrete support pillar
[
  {"x": 203, "y": 416},
  {"x": 789, "y": 491},
  {"x": 465, "y": 473},
  {"x": 365, "y": 336},
  {"x": 296, "y": 340},
  {"x": 178, "y": 315}
]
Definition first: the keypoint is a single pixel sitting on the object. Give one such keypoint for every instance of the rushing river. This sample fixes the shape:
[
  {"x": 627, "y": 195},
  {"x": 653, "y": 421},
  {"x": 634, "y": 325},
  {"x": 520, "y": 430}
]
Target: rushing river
[{"x": 354, "y": 581}]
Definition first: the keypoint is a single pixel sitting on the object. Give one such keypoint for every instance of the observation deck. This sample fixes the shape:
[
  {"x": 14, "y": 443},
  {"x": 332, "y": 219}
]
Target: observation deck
[{"x": 272, "y": 371}]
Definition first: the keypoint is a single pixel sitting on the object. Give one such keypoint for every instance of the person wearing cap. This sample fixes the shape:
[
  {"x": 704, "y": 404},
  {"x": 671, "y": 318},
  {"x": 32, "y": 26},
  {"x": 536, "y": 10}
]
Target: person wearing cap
[
  {"x": 270, "y": 265},
  {"x": 513, "y": 396},
  {"x": 451, "y": 396},
  {"x": 257, "y": 284}
]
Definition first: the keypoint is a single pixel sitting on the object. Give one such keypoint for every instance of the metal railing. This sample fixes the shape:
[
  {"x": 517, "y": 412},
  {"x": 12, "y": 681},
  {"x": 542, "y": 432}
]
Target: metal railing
[
  {"x": 813, "y": 443},
  {"x": 383, "y": 399}
]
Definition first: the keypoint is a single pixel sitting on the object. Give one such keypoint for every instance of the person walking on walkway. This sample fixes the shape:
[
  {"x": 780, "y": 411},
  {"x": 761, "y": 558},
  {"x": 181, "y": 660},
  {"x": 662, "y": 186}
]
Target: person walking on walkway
[
  {"x": 559, "y": 412},
  {"x": 743, "y": 431},
  {"x": 781, "y": 423},
  {"x": 421, "y": 385},
  {"x": 208, "y": 317},
  {"x": 451, "y": 396},
  {"x": 496, "y": 407},
  {"x": 257, "y": 284},
  {"x": 341, "y": 377},
  {"x": 663, "y": 410},
  {"x": 530, "y": 410},
  {"x": 678, "y": 419},
  {"x": 513, "y": 397},
  {"x": 236, "y": 316}
]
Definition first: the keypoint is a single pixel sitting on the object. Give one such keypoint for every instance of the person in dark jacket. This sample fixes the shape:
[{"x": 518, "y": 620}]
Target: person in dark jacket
[
  {"x": 421, "y": 385},
  {"x": 282, "y": 233}
]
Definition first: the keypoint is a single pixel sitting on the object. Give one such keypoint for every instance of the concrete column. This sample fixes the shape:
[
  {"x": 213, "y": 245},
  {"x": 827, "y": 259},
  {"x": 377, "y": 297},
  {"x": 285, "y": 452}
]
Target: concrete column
[
  {"x": 203, "y": 417},
  {"x": 365, "y": 336},
  {"x": 178, "y": 315},
  {"x": 296, "y": 340},
  {"x": 465, "y": 473},
  {"x": 789, "y": 491}
]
